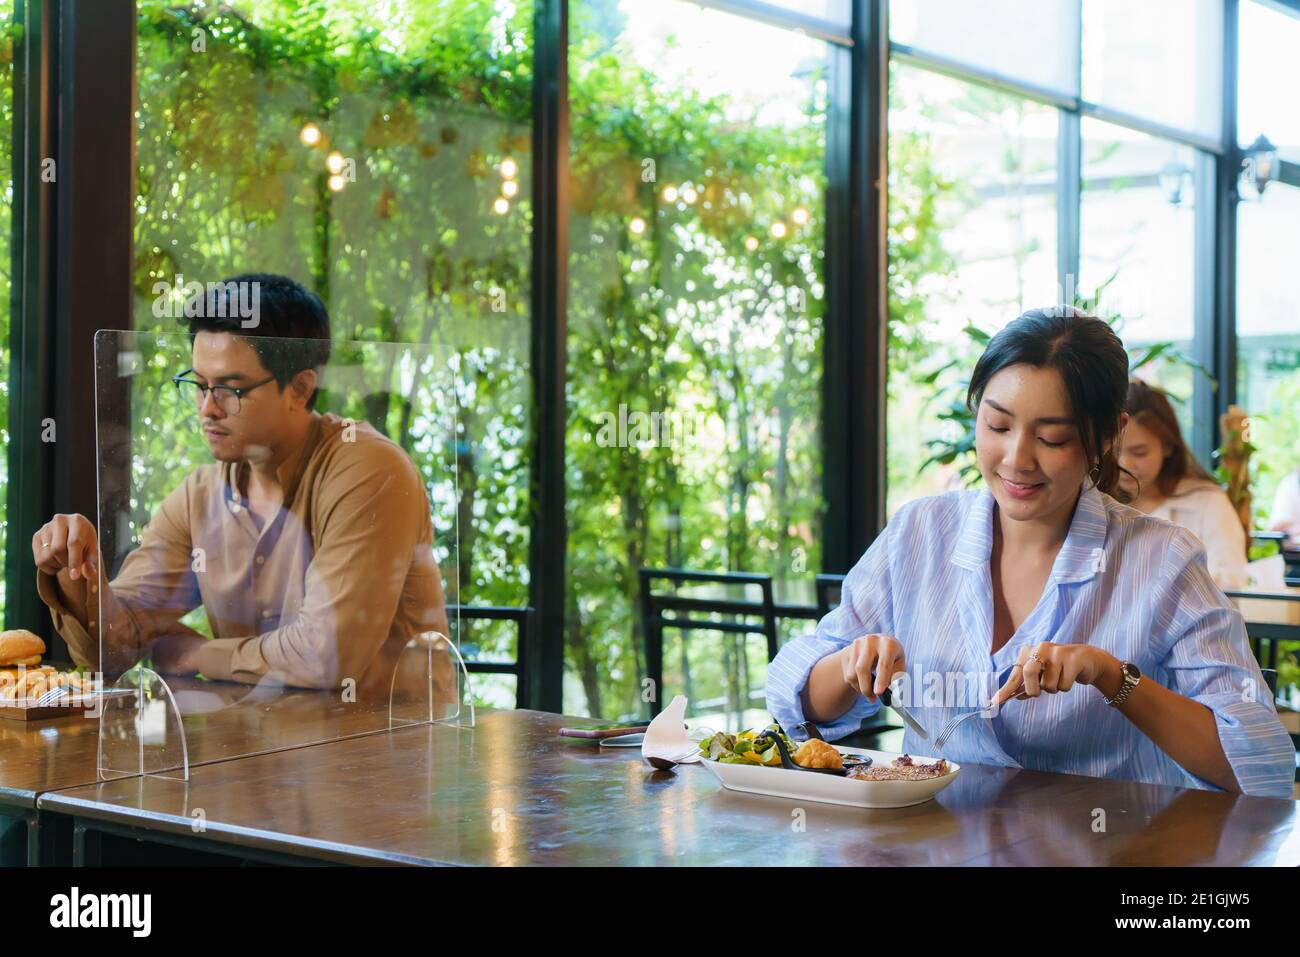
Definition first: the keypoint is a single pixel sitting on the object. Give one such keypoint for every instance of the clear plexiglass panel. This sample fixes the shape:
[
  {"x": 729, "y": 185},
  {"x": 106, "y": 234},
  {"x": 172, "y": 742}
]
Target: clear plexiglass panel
[{"x": 274, "y": 557}]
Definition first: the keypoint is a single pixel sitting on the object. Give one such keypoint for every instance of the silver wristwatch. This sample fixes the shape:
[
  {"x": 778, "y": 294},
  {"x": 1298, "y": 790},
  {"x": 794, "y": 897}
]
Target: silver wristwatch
[{"x": 1131, "y": 678}]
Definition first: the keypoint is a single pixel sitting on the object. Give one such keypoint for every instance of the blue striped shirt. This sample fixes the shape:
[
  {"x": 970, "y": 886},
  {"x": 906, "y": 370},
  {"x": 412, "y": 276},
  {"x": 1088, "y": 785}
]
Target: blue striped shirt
[{"x": 1124, "y": 581}]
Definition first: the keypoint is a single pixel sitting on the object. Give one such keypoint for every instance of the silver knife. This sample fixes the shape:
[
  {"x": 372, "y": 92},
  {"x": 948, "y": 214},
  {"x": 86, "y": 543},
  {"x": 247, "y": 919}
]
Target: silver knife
[{"x": 887, "y": 700}]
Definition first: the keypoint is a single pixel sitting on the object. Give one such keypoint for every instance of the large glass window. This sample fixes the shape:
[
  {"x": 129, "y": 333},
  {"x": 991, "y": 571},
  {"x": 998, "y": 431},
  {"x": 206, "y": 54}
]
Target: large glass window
[
  {"x": 1138, "y": 245},
  {"x": 8, "y": 44},
  {"x": 1268, "y": 235},
  {"x": 1269, "y": 76},
  {"x": 1160, "y": 60},
  {"x": 972, "y": 242},
  {"x": 1035, "y": 43},
  {"x": 1268, "y": 335},
  {"x": 695, "y": 304},
  {"x": 381, "y": 157}
]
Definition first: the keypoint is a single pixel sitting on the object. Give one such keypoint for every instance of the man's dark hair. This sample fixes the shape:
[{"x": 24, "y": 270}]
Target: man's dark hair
[{"x": 289, "y": 329}]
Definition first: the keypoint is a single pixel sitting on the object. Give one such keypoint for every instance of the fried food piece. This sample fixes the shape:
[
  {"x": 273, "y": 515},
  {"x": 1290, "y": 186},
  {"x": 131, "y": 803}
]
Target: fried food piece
[{"x": 817, "y": 754}]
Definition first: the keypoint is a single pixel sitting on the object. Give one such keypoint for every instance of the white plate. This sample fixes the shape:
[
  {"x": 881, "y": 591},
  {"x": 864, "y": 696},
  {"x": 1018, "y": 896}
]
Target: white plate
[{"x": 831, "y": 789}]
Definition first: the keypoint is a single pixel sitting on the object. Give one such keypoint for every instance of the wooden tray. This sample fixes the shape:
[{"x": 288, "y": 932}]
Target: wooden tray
[{"x": 28, "y": 710}]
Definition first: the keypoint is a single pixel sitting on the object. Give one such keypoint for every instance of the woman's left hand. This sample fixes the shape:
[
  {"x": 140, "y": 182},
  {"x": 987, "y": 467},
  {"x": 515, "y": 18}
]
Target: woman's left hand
[{"x": 1053, "y": 668}]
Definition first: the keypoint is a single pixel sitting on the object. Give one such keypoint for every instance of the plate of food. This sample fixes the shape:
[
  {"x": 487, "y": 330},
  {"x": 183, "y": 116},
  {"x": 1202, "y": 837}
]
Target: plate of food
[
  {"x": 762, "y": 762},
  {"x": 23, "y": 680}
]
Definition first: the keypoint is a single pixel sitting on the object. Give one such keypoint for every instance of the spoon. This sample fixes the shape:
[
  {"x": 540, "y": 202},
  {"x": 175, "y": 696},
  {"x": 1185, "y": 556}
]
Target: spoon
[{"x": 667, "y": 764}]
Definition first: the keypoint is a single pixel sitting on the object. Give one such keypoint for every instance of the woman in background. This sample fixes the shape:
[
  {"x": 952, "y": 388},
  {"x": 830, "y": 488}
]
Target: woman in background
[{"x": 1164, "y": 480}]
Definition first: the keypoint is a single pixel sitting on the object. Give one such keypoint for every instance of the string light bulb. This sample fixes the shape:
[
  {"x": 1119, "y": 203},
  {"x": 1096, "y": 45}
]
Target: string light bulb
[{"x": 310, "y": 135}]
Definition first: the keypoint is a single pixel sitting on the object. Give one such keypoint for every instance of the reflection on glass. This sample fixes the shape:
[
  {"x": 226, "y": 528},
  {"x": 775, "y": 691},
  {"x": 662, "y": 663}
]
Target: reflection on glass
[
  {"x": 972, "y": 240},
  {"x": 695, "y": 303},
  {"x": 383, "y": 159},
  {"x": 1137, "y": 240},
  {"x": 1161, "y": 60}
]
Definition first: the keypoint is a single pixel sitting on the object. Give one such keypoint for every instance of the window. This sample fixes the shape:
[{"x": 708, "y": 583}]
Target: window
[
  {"x": 695, "y": 302},
  {"x": 1138, "y": 242},
  {"x": 8, "y": 43},
  {"x": 1035, "y": 43},
  {"x": 383, "y": 160},
  {"x": 1268, "y": 76},
  {"x": 1268, "y": 234},
  {"x": 1160, "y": 60},
  {"x": 972, "y": 241}
]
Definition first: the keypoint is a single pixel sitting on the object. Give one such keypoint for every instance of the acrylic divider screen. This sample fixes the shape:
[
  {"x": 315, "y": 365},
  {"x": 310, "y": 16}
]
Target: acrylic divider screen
[{"x": 272, "y": 574}]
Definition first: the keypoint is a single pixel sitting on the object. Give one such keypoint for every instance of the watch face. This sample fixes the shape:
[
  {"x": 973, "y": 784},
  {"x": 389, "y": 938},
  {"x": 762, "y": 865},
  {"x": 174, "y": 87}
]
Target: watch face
[{"x": 1131, "y": 671}]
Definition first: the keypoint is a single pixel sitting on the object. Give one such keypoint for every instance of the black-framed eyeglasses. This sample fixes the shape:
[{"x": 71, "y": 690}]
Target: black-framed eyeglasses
[{"x": 227, "y": 396}]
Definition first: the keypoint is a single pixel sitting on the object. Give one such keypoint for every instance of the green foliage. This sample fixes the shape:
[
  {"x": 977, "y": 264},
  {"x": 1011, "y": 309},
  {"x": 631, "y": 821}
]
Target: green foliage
[
  {"x": 426, "y": 105},
  {"x": 684, "y": 319}
]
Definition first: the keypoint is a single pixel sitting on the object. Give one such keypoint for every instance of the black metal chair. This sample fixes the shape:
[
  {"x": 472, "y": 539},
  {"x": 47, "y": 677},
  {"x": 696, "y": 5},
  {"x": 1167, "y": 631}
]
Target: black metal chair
[
  {"x": 523, "y": 619},
  {"x": 1270, "y": 679},
  {"x": 654, "y": 620},
  {"x": 828, "y": 593}
]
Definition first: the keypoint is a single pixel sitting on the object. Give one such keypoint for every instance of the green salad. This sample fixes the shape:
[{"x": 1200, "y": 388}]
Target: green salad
[{"x": 742, "y": 749}]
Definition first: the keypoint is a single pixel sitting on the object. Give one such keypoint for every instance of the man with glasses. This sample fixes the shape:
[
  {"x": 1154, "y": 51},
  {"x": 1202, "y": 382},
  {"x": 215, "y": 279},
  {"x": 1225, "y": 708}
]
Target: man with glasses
[{"x": 308, "y": 543}]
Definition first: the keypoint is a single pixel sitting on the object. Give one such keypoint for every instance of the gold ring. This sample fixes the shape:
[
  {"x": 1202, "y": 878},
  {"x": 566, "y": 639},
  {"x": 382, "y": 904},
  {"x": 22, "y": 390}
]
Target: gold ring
[{"x": 1034, "y": 657}]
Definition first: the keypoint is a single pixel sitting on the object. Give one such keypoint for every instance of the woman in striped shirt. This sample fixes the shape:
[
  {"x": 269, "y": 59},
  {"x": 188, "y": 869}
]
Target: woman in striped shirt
[{"x": 1123, "y": 658}]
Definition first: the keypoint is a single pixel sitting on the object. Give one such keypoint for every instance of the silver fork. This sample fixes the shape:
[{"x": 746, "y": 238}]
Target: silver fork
[
  {"x": 951, "y": 727},
  {"x": 54, "y": 694}
]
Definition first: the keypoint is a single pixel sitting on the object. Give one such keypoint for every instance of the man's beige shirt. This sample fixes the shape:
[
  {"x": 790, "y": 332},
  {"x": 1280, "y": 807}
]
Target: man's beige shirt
[{"x": 330, "y": 588}]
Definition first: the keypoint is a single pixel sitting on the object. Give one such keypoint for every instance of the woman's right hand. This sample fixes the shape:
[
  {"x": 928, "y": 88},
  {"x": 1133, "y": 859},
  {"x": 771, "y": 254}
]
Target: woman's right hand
[{"x": 881, "y": 654}]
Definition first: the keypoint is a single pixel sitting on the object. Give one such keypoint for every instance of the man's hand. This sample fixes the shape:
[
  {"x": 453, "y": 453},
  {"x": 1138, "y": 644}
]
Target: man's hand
[
  {"x": 178, "y": 654},
  {"x": 67, "y": 541}
]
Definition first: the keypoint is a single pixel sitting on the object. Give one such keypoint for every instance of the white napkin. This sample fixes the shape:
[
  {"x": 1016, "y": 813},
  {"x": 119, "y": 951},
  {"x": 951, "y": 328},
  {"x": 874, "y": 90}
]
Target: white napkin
[{"x": 667, "y": 737}]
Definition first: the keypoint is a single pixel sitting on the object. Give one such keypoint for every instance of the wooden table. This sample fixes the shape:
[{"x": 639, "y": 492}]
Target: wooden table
[
  {"x": 510, "y": 791},
  {"x": 223, "y": 722}
]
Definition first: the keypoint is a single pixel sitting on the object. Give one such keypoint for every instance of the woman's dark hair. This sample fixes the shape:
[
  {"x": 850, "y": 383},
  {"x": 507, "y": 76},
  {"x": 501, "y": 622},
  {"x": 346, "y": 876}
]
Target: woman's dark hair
[
  {"x": 1093, "y": 365},
  {"x": 1150, "y": 408},
  {"x": 287, "y": 326}
]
